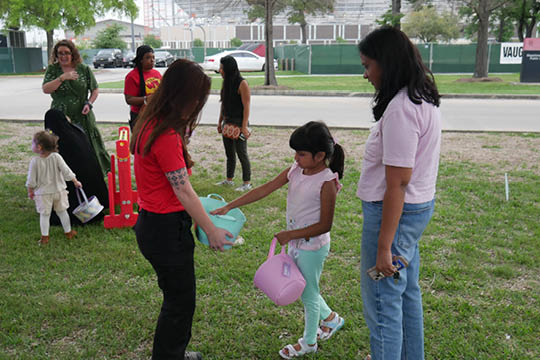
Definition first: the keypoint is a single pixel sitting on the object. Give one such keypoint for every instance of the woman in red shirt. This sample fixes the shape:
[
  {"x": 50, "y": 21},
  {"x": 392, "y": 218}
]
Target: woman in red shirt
[
  {"x": 141, "y": 82},
  {"x": 168, "y": 202}
]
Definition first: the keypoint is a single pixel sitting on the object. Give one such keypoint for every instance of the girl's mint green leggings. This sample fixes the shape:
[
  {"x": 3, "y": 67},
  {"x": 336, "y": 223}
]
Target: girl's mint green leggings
[{"x": 310, "y": 263}]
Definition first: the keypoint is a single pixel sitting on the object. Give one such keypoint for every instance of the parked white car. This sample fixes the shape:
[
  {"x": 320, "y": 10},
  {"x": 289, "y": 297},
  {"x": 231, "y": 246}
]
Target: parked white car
[{"x": 247, "y": 61}]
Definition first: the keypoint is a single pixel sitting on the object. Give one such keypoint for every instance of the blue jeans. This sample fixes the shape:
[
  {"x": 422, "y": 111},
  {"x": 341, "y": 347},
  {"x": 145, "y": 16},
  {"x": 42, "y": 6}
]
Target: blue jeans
[{"x": 393, "y": 311}]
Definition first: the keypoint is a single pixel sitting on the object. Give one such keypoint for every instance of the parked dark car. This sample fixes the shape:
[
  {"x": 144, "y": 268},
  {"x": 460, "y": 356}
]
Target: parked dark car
[
  {"x": 127, "y": 60},
  {"x": 108, "y": 58},
  {"x": 163, "y": 58}
]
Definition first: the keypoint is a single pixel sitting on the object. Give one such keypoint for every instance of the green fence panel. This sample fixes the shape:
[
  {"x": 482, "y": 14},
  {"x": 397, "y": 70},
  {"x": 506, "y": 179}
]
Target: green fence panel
[
  {"x": 20, "y": 60},
  {"x": 27, "y": 59},
  {"x": 335, "y": 59},
  {"x": 453, "y": 58},
  {"x": 6, "y": 65},
  {"x": 301, "y": 58}
]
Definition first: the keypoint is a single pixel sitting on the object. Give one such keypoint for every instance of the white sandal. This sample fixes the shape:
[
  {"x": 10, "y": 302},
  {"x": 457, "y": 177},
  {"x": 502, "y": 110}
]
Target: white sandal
[
  {"x": 292, "y": 352},
  {"x": 334, "y": 325}
]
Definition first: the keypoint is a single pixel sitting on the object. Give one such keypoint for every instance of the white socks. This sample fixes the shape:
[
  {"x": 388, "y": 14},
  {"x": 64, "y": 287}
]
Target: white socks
[
  {"x": 44, "y": 224},
  {"x": 64, "y": 219}
]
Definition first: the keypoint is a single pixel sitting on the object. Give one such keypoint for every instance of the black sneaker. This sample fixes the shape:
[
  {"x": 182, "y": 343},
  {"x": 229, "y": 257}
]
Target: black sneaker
[{"x": 192, "y": 355}]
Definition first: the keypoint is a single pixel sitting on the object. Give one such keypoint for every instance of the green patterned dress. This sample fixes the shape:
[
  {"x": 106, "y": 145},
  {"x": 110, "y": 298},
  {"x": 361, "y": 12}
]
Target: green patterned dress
[{"x": 70, "y": 97}]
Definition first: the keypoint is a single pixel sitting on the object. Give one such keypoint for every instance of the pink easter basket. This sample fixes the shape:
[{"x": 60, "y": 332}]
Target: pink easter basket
[{"x": 279, "y": 277}]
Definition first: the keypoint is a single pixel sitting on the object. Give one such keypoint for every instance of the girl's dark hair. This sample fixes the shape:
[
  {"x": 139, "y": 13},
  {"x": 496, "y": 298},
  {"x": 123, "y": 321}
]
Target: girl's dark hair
[
  {"x": 231, "y": 80},
  {"x": 47, "y": 140},
  {"x": 141, "y": 50},
  {"x": 75, "y": 56},
  {"x": 175, "y": 105},
  {"x": 401, "y": 66},
  {"x": 314, "y": 137}
]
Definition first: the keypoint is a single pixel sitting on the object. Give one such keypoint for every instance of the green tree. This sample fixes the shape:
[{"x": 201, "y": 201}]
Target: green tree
[
  {"x": 50, "y": 15},
  {"x": 482, "y": 10},
  {"x": 527, "y": 15},
  {"x": 198, "y": 43},
  {"x": 152, "y": 41},
  {"x": 390, "y": 19},
  {"x": 110, "y": 38},
  {"x": 429, "y": 26},
  {"x": 236, "y": 42},
  {"x": 266, "y": 9},
  {"x": 298, "y": 9}
]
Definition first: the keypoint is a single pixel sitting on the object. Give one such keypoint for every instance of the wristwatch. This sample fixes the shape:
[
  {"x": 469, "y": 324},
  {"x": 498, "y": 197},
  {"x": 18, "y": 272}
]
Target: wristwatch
[{"x": 89, "y": 104}]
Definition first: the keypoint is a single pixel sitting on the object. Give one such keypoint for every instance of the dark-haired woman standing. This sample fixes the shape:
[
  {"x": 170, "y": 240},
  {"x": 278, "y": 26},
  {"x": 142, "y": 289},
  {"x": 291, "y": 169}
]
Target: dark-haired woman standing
[
  {"x": 397, "y": 188},
  {"x": 141, "y": 82},
  {"x": 235, "y": 102},
  {"x": 167, "y": 202}
]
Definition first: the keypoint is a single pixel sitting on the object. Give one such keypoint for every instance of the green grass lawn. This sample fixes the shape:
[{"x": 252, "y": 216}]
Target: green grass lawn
[
  {"x": 446, "y": 83},
  {"x": 95, "y": 297}
]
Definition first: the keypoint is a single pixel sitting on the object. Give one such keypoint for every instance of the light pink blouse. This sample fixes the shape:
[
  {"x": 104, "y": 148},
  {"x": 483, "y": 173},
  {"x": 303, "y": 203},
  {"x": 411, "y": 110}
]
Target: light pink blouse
[
  {"x": 304, "y": 204},
  {"x": 409, "y": 136}
]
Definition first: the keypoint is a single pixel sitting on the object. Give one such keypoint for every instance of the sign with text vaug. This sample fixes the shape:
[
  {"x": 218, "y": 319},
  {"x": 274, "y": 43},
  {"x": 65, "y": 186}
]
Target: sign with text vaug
[{"x": 511, "y": 53}]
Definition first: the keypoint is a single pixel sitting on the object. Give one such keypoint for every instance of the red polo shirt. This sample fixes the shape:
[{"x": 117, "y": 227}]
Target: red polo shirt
[{"x": 155, "y": 192}]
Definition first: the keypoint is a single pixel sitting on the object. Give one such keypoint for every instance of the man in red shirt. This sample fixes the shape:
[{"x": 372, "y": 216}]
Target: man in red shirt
[{"x": 141, "y": 82}]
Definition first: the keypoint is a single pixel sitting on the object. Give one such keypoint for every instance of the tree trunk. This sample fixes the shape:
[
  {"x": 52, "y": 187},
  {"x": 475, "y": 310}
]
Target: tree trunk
[
  {"x": 530, "y": 26},
  {"x": 303, "y": 28},
  {"x": 50, "y": 44},
  {"x": 521, "y": 21},
  {"x": 269, "y": 72},
  {"x": 481, "y": 65},
  {"x": 396, "y": 9},
  {"x": 501, "y": 30}
]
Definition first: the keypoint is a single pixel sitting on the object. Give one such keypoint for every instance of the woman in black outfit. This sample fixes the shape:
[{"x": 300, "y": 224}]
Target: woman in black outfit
[
  {"x": 235, "y": 101},
  {"x": 79, "y": 155}
]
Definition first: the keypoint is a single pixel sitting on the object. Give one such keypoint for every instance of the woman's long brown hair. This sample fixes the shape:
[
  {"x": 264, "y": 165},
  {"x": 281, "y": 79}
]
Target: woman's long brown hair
[{"x": 175, "y": 105}]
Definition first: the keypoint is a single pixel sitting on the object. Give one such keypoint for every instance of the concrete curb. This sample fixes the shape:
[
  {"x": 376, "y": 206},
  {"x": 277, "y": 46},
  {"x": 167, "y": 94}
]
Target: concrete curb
[{"x": 359, "y": 94}]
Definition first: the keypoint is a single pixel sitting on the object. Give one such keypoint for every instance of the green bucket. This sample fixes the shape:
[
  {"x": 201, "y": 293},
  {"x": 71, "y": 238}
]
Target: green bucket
[{"x": 233, "y": 221}]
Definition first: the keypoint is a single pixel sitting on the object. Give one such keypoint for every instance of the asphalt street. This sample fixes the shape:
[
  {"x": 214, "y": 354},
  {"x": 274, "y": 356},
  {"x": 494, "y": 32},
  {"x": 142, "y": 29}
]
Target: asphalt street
[{"x": 22, "y": 99}]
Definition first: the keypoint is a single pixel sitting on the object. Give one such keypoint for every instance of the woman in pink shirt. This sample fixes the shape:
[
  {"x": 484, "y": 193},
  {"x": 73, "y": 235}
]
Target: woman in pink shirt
[{"x": 397, "y": 188}]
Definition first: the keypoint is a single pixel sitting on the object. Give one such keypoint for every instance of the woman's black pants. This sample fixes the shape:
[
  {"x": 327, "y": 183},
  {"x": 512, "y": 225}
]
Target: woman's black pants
[
  {"x": 233, "y": 147},
  {"x": 166, "y": 242}
]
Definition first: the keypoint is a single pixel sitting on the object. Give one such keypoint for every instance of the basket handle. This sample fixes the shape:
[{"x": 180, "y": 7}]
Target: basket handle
[
  {"x": 83, "y": 194},
  {"x": 216, "y": 196},
  {"x": 273, "y": 248}
]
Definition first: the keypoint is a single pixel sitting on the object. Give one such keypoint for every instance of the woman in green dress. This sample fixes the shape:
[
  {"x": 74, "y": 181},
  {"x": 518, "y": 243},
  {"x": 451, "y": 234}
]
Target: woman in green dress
[{"x": 69, "y": 81}]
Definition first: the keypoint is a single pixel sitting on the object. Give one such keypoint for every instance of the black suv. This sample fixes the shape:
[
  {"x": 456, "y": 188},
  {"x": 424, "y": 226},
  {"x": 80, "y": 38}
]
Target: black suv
[{"x": 109, "y": 58}]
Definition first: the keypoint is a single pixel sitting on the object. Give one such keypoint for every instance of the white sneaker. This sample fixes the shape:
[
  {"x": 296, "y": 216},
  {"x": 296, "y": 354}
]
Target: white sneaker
[
  {"x": 244, "y": 187},
  {"x": 226, "y": 183}
]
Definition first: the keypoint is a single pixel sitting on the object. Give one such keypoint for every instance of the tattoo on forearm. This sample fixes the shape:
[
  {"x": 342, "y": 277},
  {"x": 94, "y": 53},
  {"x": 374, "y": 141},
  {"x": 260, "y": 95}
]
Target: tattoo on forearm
[{"x": 177, "y": 177}]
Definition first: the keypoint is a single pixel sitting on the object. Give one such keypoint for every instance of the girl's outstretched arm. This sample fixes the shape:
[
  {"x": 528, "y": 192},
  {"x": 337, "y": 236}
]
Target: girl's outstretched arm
[
  {"x": 255, "y": 194},
  {"x": 328, "y": 203}
]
